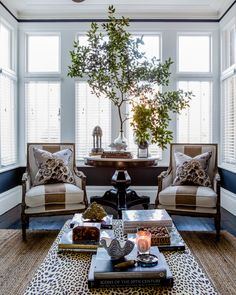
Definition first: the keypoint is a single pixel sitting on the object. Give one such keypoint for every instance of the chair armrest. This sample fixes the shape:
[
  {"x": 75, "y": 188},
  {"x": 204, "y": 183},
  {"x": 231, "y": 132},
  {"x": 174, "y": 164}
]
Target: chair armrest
[
  {"x": 80, "y": 178},
  {"x": 216, "y": 182},
  {"x": 26, "y": 185},
  {"x": 164, "y": 180}
]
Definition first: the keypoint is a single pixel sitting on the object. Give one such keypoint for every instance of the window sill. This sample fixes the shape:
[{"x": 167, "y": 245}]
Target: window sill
[
  {"x": 8, "y": 168},
  {"x": 229, "y": 167}
]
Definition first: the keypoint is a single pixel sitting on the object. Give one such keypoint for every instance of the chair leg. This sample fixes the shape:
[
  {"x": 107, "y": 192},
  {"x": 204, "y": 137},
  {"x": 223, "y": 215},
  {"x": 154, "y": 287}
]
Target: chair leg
[
  {"x": 217, "y": 226},
  {"x": 24, "y": 222}
]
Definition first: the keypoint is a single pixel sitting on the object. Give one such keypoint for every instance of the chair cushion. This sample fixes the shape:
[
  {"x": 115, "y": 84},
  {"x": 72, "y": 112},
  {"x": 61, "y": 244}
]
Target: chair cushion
[
  {"x": 58, "y": 193},
  {"x": 191, "y": 173},
  {"x": 55, "y": 208},
  {"x": 188, "y": 196},
  {"x": 203, "y": 159},
  {"x": 53, "y": 171}
]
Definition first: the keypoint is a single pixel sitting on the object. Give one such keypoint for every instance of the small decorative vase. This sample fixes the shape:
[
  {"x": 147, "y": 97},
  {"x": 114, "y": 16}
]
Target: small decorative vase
[
  {"x": 120, "y": 143},
  {"x": 116, "y": 249},
  {"x": 143, "y": 150}
]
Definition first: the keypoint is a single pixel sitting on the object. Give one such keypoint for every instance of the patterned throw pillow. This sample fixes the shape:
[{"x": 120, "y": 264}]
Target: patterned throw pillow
[
  {"x": 53, "y": 167},
  {"x": 192, "y": 171}
]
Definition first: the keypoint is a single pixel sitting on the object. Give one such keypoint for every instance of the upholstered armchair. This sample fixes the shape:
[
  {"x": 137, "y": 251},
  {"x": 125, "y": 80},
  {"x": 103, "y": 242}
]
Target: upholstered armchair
[
  {"x": 188, "y": 199},
  {"x": 43, "y": 193}
]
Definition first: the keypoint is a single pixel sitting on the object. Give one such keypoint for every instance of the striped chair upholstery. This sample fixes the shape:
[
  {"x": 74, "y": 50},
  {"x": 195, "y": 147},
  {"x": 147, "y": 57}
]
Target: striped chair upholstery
[
  {"x": 51, "y": 199},
  {"x": 190, "y": 199}
]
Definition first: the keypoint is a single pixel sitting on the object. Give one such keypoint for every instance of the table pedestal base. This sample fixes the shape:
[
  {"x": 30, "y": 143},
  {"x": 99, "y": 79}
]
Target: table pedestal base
[{"x": 120, "y": 197}]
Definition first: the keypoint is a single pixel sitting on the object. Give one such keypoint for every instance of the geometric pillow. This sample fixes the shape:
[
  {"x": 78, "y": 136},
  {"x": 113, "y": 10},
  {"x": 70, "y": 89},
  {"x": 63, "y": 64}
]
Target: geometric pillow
[
  {"x": 53, "y": 171},
  {"x": 191, "y": 173}
]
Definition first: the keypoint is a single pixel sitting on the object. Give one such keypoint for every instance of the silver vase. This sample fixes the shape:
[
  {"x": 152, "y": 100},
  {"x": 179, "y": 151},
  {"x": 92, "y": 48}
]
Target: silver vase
[{"x": 120, "y": 143}]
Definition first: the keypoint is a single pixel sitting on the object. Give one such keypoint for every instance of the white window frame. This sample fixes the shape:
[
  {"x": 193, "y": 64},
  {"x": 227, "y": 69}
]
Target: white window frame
[
  {"x": 194, "y": 34},
  {"x": 10, "y": 72},
  {"x": 42, "y": 74},
  {"x": 196, "y": 76}
]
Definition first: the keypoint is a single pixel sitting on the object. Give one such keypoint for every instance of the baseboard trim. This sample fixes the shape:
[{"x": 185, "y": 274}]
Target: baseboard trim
[
  {"x": 228, "y": 201},
  {"x": 9, "y": 199},
  {"x": 149, "y": 191}
]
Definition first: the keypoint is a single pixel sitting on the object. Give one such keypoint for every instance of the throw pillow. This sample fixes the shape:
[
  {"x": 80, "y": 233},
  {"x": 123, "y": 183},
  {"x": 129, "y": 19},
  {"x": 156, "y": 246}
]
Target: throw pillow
[
  {"x": 203, "y": 159},
  {"x": 192, "y": 173},
  {"x": 53, "y": 168}
]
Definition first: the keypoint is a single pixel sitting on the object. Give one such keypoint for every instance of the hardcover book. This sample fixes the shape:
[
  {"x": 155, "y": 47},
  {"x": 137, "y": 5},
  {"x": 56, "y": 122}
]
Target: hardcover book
[
  {"x": 104, "y": 267},
  {"x": 132, "y": 219},
  {"x": 106, "y": 222},
  {"x": 66, "y": 242},
  {"x": 127, "y": 281}
]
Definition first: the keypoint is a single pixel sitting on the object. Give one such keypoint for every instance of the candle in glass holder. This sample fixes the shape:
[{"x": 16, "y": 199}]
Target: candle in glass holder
[{"x": 143, "y": 241}]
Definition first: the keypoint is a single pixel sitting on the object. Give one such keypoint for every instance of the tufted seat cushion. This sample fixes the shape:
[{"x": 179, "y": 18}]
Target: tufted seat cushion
[
  {"x": 51, "y": 194},
  {"x": 188, "y": 196}
]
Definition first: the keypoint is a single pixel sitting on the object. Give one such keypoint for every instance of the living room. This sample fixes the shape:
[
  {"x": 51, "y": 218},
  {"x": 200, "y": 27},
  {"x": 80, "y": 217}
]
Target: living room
[{"x": 45, "y": 97}]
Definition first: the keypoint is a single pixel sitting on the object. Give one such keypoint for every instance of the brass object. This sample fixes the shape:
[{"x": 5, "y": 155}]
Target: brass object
[
  {"x": 125, "y": 264},
  {"x": 94, "y": 212}
]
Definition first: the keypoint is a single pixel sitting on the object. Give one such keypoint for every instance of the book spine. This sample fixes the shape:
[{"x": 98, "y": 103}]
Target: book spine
[
  {"x": 171, "y": 247},
  {"x": 130, "y": 283},
  {"x": 161, "y": 273}
]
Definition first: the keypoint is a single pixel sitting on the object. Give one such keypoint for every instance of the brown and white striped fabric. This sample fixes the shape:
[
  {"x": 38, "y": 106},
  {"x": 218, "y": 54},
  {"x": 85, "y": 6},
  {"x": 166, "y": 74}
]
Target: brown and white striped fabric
[
  {"x": 54, "y": 194},
  {"x": 55, "y": 207},
  {"x": 193, "y": 151},
  {"x": 187, "y": 196}
]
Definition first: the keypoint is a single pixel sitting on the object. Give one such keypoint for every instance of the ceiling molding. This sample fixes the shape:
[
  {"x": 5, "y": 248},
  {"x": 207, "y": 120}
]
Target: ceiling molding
[{"x": 146, "y": 18}]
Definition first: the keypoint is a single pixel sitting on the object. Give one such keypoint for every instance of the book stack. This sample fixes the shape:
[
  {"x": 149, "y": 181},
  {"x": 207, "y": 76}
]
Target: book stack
[
  {"x": 106, "y": 222},
  {"x": 134, "y": 219},
  {"x": 117, "y": 155},
  {"x": 102, "y": 273}
]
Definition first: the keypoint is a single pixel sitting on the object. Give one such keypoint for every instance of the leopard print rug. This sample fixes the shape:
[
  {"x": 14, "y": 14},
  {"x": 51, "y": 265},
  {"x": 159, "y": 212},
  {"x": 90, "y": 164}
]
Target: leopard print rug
[{"x": 66, "y": 274}]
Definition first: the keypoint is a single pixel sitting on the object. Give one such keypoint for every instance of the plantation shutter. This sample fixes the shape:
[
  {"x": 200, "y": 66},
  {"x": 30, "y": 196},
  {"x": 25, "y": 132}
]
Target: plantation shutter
[
  {"x": 8, "y": 151},
  {"x": 90, "y": 112},
  {"x": 193, "y": 123},
  {"x": 229, "y": 121},
  {"x": 42, "y": 102}
]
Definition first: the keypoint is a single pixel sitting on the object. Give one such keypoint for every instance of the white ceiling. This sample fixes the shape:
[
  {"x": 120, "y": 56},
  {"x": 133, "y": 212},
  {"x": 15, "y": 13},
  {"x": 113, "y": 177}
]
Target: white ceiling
[{"x": 43, "y": 9}]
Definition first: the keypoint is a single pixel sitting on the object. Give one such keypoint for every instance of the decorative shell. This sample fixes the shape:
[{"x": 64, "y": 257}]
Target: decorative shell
[
  {"x": 116, "y": 250},
  {"x": 94, "y": 212}
]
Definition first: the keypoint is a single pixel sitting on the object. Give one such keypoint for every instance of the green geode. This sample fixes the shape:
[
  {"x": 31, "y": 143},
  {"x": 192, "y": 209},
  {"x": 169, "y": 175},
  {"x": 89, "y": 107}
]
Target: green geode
[{"x": 94, "y": 212}]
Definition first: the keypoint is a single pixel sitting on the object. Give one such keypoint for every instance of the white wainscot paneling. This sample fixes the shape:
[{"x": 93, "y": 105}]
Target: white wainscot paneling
[
  {"x": 10, "y": 199},
  {"x": 228, "y": 201},
  {"x": 148, "y": 191}
]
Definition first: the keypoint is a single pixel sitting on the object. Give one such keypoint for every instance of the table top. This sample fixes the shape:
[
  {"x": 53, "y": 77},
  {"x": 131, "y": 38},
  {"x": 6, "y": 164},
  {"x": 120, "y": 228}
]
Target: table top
[
  {"x": 97, "y": 161},
  {"x": 67, "y": 273}
]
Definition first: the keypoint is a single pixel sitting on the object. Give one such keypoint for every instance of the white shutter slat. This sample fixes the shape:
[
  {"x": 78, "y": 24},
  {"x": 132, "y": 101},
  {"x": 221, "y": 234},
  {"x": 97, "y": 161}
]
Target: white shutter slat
[
  {"x": 8, "y": 152},
  {"x": 193, "y": 123},
  {"x": 89, "y": 112},
  {"x": 229, "y": 121},
  {"x": 42, "y": 100}
]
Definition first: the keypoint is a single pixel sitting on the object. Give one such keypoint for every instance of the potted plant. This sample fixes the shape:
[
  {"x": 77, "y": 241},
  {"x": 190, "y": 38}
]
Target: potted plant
[
  {"x": 151, "y": 117},
  {"x": 115, "y": 66}
]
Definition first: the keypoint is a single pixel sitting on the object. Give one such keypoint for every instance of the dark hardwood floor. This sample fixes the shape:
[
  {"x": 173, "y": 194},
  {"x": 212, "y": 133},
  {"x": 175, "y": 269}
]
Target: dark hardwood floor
[{"x": 11, "y": 220}]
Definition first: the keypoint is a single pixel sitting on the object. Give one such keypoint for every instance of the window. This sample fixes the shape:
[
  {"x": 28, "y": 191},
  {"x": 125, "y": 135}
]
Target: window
[
  {"x": 8, "y": 141},
  {"x": 193, "y": 124},
  {"x": 5, "y": 47},
  {"x": 90, "y": 112},
  {"x": 228, "y": 111},
  {"x": 229, "y": 46},
  {"x": 151, "y": 47},
  {"x": 43, "y": 53},
  {"x": 42, "y": 101},
  {"x": 194, "y": 53},
  {"x": 8, "y": 153}
]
